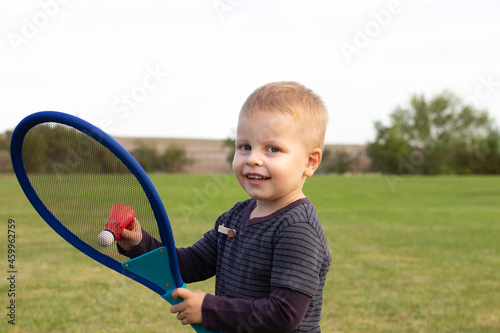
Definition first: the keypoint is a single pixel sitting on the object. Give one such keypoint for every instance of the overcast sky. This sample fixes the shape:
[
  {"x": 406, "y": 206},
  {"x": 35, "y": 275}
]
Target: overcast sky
[{"x": 184, "y": 68}]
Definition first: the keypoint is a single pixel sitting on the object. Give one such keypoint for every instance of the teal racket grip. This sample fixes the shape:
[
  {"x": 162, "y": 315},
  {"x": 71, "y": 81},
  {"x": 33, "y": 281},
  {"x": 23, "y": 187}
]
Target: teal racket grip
[
  {"x": 154, "y": 266},
  {"x": 168, "y": 297}
]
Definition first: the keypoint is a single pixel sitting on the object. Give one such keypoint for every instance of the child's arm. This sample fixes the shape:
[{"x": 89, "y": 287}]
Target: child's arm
[
  {"x": 281, "y": 312},
  {"x": 192, "y": 266},
  {"x": 136, "y": 241}
]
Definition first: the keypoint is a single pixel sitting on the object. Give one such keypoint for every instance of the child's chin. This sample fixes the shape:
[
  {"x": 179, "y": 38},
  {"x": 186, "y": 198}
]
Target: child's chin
[{"x": 258, "y": 196}]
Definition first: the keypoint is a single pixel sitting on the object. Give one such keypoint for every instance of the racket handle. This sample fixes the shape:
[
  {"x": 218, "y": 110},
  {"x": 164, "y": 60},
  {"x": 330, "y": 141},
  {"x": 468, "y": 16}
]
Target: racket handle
[
  {"x": 197, "y": 327},
  {"x": 154, "y": 266},
  {"x": 168, "y": 297}
]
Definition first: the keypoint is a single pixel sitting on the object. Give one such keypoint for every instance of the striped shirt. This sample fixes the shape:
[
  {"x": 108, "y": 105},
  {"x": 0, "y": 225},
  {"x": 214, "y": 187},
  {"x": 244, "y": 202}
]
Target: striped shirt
[{"x": 286, "y": 249}]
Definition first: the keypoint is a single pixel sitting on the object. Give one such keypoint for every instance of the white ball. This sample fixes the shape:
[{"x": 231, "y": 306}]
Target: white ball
[{"x": 105, "y": 238}]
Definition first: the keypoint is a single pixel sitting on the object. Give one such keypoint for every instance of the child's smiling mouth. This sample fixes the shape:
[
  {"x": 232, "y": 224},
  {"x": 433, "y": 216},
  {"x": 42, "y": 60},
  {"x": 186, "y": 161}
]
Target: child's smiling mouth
[{"x": 256, "y": 177}]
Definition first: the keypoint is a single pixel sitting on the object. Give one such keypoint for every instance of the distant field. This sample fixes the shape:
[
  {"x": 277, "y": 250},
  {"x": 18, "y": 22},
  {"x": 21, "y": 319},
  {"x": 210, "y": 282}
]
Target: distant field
[{"x": 422, "y": 255}]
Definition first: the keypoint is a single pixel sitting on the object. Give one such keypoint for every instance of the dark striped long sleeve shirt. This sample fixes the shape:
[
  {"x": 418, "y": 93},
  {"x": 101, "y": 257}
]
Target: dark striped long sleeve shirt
[
  {"x": 286, "y": 249},
  {"x": 269, "y": 276}
]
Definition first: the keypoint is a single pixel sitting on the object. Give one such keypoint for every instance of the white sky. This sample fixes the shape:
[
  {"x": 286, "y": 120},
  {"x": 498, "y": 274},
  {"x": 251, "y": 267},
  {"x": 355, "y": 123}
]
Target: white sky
[{"x": 88, "y": 57}]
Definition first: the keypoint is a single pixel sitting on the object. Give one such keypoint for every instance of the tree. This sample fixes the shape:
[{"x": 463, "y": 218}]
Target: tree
[
  {"x": 175, "y": 159},
  {"x": 55, "y": 148},
  {"x": 5, "y": 164},
  {"x": 230, "y": 143},
  {"x": 340, "y": 162},
  {"x": 442, "y": 135},
  {"x": 146, "y": 156}
]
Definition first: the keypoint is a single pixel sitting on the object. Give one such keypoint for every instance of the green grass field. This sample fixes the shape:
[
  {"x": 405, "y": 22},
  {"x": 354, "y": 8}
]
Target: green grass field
[{"x": 419, "y": 255}]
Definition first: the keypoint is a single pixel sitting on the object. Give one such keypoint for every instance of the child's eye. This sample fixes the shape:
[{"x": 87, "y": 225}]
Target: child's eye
[
  {"x": 273, "y": 149},
  {"x": 245, "y": 147}
]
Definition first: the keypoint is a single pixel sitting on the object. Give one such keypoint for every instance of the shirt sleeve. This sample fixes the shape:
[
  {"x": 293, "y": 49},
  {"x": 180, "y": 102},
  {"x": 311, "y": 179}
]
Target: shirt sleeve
[
  {"x": 298, "y": 257},
  {"x": 147, "y": 244},
  {"x": 283, "y": 311},
  {"x": 199, "y": 261},
  {"x": 192, "y": 266}
]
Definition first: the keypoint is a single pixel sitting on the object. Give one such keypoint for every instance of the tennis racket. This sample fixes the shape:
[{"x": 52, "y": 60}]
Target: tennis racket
[{"x": 77, "y": 177}]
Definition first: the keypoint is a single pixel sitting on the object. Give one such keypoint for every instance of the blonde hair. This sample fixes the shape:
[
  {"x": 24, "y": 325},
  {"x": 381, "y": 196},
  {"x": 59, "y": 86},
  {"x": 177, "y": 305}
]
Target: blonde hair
[{"x": 292, "y": 98}]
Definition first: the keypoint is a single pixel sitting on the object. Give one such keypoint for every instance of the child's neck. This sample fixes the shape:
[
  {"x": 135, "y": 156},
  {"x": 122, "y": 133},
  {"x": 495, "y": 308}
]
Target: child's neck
[{"x": 266, "y": 208}]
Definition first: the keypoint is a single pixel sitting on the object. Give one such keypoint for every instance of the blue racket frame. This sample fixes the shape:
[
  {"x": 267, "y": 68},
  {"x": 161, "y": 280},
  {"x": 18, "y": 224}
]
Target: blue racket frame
[
  {"x": 142, "y": 269},
  {"x": 97, "y": 134}
]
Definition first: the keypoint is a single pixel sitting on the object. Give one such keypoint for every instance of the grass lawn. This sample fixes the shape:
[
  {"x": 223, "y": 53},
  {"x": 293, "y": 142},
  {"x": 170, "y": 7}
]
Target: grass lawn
[{"x": 419, "y": 255}]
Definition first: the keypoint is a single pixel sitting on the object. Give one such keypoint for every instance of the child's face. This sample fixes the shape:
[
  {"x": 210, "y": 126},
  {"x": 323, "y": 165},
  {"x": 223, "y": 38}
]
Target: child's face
[{"x": 271, "y": 160}]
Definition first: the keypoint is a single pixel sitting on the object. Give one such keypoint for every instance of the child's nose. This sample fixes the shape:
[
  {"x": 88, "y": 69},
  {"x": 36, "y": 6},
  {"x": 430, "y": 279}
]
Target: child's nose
[{"x": 254, "y": 159}]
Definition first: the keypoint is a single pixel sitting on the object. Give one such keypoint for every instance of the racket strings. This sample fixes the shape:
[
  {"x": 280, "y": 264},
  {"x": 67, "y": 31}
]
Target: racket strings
[{"x": 79, "y": 180}]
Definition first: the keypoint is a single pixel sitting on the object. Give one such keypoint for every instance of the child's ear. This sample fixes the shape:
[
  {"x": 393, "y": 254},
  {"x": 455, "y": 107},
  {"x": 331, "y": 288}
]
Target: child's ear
[{"x": 313, "y": 162}]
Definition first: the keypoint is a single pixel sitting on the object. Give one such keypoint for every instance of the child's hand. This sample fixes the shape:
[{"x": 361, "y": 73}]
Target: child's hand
[
  {"x": 189, "y": 310},
  {"x": 132, "y": 236}
]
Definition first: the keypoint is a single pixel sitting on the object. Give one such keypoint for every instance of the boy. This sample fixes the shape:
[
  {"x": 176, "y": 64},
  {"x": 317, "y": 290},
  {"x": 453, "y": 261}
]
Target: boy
[{"x": 268, "y": 253}]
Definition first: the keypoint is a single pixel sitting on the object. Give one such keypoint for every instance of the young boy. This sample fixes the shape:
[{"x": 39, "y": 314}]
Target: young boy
[{"x": 268, "y": 253}]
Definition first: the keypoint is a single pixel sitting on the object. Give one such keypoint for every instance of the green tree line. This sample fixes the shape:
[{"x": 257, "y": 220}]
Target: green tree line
[
  {"x": 173, "y": 159},
  {"x": 54, "y": 148},
  {"x": 5, "y": 164},
  {"x": 442, "y": 135}
]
